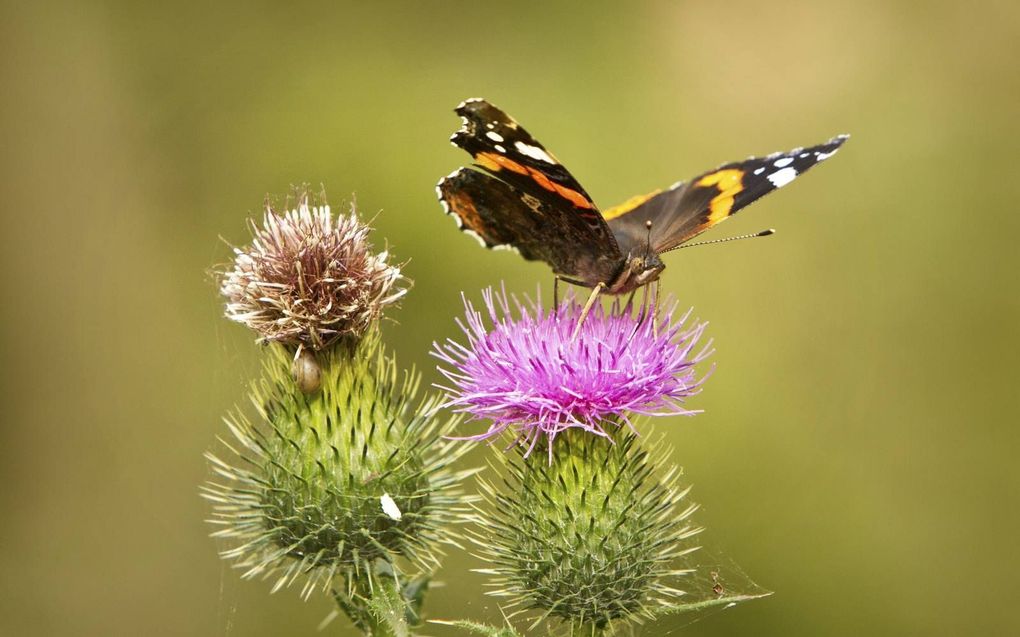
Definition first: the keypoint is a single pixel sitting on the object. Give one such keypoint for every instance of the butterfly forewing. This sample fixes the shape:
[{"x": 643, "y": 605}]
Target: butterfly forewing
[
  {"x": 689, "y": 208},
  {"x": 504, "y": 148}
]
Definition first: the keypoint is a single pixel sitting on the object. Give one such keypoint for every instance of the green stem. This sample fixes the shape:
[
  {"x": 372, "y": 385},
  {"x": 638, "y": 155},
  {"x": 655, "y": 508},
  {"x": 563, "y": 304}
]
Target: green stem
[
  {"x": 585, "y": 630},
  {"x": 377, "y": 608}
]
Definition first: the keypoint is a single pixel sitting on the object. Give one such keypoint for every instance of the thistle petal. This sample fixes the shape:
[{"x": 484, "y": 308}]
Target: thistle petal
[{"x": 529, "y": 374}]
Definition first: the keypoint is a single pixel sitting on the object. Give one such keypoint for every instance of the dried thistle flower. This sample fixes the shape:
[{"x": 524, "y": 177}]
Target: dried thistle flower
[{"x": 308, "y": 278}]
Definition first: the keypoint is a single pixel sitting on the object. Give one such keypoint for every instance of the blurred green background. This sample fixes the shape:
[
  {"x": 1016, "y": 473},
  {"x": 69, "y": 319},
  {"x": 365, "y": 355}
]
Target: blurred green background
[{"x": 858, "y": 450}]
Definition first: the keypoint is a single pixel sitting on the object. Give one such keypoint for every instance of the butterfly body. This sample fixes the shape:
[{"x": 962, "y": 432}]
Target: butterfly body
[{"x": 520, "y": 197}]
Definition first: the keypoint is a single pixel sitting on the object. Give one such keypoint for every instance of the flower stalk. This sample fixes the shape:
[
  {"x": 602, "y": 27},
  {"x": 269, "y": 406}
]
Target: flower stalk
[
  {"x": 340, "y": 477},
  {"x": 600, "y": 535}
]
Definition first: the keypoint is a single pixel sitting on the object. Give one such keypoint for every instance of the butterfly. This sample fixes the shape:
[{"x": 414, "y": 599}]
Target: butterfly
[{"x": 518, "y": 196}]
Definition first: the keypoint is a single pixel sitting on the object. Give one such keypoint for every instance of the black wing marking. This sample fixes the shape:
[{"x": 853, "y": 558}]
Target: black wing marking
[
  {"x": 501, "y": 215},
  {"x": 688, "y": 209}
]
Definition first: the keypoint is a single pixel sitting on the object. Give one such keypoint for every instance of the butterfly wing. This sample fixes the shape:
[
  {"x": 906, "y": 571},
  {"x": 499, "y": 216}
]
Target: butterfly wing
[
  {"x": 501, "y": 215},
  {"x": 689, "y": 208},
  {"x": 502, "y": 147}
]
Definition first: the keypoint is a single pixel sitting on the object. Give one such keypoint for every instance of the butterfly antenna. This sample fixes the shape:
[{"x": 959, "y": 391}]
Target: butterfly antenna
[
  {"x": 763, "y": 233},
  {"x": 648, "y": 224}
]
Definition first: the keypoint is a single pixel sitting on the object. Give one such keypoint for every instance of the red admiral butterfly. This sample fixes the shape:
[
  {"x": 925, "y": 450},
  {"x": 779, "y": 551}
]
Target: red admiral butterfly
[{"x": 524, "y": 199}]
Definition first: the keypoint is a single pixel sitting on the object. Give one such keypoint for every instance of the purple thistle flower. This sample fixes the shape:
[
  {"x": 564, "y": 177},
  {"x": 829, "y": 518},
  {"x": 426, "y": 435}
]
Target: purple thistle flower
[{"x": 528, "y": 373}]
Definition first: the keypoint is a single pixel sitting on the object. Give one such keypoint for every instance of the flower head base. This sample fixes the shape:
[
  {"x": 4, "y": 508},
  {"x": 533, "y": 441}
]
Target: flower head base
[
  {"x": 531, "y": 375},
  {"x": 594, "y": 538},
  {"x": 309, "y": 279},
  {"x": 330, "y": 485}
]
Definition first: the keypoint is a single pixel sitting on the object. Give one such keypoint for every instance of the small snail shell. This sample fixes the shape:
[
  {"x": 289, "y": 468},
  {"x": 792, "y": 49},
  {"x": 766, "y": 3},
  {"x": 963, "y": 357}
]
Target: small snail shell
[{"x": 306, "y": 371}]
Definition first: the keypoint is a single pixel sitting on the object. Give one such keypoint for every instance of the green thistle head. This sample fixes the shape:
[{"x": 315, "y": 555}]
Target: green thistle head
[
  {"x": 591, "y": 538},
  {"x": 340, "y": 481}
]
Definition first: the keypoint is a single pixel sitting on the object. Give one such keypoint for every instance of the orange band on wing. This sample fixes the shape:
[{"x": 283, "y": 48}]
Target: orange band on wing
[
  {"x": 627, "y": 206},
  {"x": 495, "y": 163},
  {"x": 574, "y": 197},
  {"x": 730, "y": 183}
]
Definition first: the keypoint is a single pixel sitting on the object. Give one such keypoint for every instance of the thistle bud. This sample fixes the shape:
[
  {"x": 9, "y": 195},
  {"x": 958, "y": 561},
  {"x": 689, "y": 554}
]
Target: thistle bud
[{"x": 332, "y": 483}]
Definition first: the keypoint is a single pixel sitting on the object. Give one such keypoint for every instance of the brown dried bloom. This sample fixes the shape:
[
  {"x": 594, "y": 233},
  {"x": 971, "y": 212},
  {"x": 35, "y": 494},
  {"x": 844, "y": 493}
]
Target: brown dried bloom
[{"x": 309, "y": 279}]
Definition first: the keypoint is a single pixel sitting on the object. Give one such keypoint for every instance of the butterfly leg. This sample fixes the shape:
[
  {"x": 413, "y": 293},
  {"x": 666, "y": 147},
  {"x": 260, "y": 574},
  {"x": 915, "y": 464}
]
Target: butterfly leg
[
  {"x": 655, "y": 310},
  {"x": 587, "y": 308},
  {"x": 556, "y": 292}
]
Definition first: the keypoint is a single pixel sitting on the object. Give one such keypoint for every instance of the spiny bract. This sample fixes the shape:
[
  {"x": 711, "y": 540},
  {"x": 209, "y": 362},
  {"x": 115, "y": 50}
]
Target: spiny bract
[
  {"x": 328, "y": 483},
  {"x": 591, "y": 538}
]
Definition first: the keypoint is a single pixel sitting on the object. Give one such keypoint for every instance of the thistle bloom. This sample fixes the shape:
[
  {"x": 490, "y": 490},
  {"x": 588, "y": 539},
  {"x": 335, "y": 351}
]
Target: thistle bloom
[
  {"x": 528, "y": 373},
  {"x": 309, "y": 279}
]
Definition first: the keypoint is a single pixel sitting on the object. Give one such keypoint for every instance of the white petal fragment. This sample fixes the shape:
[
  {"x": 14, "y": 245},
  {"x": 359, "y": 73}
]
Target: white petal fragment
[{"x": 390, "y": 507}]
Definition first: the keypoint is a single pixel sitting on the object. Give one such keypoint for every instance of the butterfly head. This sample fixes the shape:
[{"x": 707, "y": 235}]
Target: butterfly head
[{"x": 639, "y": 269}]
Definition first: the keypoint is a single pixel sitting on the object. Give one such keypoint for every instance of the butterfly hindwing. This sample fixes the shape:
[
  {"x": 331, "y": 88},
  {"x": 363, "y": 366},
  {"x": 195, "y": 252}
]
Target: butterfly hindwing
[
  {"x": 501, "y": 215},
  {"x": 689, "y": 208}
]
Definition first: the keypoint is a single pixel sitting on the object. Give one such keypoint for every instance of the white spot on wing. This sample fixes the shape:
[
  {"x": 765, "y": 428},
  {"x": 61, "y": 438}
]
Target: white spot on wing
[
  {"x": 803, "y": 155},
  {"x": 390, "y": 507},
  {"x": 506, "y": 246},
  {"x": 824, "y": 156},
  {"x": 499, "y": 148},
  {"x": 782, "y": 177},
  {"x": 759, "y": 171},
  {"x": 782, "y": 163},
  {"x": 493, "y": 135},
  {"x": 534, "y": 152}
]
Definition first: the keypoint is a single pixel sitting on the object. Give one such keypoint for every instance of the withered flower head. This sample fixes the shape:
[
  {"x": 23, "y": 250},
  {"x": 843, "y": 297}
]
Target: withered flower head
[{"x": 308, "y": 278}]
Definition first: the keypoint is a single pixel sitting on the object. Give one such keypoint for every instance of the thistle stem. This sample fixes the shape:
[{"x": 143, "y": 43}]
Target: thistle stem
[
  {"x": 376, "y": 608},
  {"x": 586, "y": 630}
]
